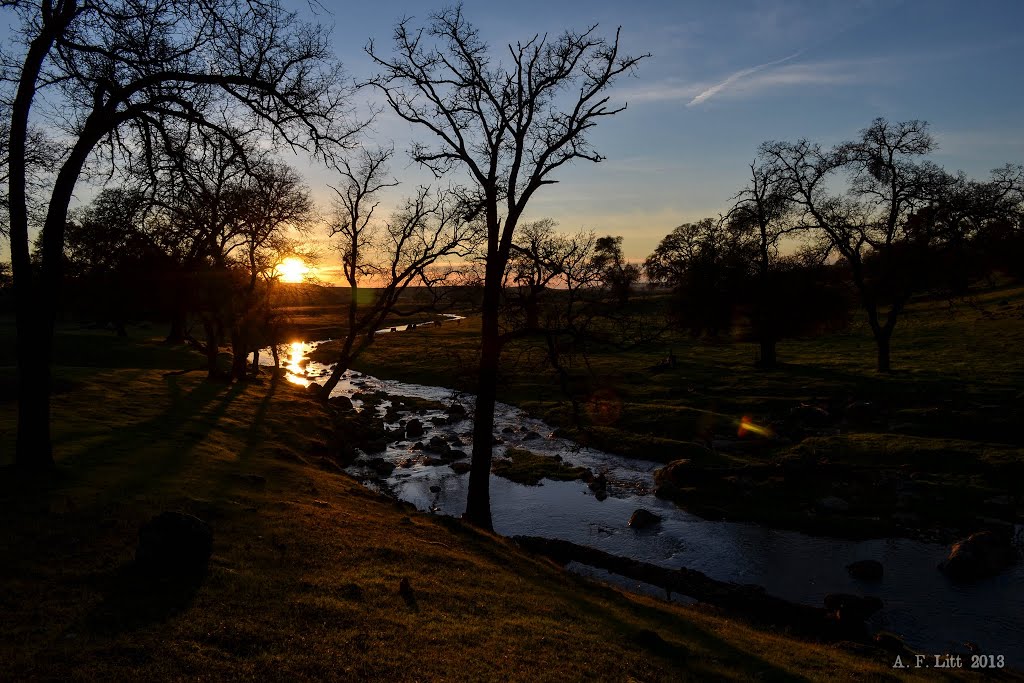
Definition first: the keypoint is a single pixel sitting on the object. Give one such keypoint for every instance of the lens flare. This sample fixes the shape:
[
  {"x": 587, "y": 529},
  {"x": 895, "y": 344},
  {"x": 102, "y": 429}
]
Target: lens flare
[{"x": 748, "y": 426}]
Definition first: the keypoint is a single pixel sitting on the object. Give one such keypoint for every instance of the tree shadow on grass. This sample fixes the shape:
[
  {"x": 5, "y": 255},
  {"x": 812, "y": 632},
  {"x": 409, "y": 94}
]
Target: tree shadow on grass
[
  {"x": 134, "y": 599},
  {"x": 188, "y": 421}
]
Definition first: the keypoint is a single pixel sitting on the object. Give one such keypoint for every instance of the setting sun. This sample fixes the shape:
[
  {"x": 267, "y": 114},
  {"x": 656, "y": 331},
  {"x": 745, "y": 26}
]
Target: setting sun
[{"x": 292, "y": 269}]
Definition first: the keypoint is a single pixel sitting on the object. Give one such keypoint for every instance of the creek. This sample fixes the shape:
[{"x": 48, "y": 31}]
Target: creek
[{"x": 931, "y": 613}]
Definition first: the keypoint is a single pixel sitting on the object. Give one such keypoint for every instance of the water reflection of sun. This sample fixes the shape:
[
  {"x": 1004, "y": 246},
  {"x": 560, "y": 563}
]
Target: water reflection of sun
[
  {"x": 292, "y": 269},
  {"x": 295, "y": 353}
]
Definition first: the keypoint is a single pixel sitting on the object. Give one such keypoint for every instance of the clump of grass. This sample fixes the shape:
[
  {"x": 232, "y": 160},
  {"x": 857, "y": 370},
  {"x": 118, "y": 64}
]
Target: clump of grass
[{"x": 526, "y": 467}]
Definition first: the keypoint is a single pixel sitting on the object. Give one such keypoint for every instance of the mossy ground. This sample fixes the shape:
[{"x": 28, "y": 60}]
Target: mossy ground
[
  {"x": 525, "y": 467},
  {"x": 303, "y": 582}
]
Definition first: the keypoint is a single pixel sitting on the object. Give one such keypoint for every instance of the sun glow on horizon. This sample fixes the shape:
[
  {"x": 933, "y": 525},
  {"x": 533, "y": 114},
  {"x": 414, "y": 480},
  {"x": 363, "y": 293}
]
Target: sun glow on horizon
[{"x": 292, "y": 269}]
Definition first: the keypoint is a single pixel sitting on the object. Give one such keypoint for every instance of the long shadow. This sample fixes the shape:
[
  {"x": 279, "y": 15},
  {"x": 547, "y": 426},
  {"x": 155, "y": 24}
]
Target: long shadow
[
  {"x": 253, "y": 436},
  {"x": 133, "y": 599},
  {"x": 583, "y": 594},
  {"x": 187, "y": 422}
]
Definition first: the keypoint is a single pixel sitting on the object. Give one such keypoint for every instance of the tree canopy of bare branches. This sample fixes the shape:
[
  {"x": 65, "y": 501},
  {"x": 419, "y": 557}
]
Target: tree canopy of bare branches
[
  {"x": 508, "y": 125},
  {"x": 111, "y": 79}
]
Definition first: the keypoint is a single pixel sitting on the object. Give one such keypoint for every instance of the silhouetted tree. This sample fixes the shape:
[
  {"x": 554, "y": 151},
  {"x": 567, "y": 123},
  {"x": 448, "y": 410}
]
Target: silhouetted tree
[
  {"x": 761, "y": 214},
  {"x": 118, "y": 74},
  {"x": 542, "y": 257},
  {"x": 869, "y": 225},
  {"x": 510, "y": 126},
  {"x": 617, "y": 274},
  {"x": 411, "y": 248},
  {"x": 707, "y": 264}
]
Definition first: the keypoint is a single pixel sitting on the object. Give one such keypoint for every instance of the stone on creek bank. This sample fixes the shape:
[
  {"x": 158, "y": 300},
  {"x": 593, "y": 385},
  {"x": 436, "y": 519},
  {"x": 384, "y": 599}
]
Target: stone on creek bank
[
  {"x": 460, "y": 467},
  {"x": 174, "y": 545},
  {"x": 413, "y": 429},
  {"x": 866, "y": 570},
  {"x": 978, "y": 556},
  {"x": 642, "y": 519},
  {"x": 342, "y": 402},
  {"x": 381, "y": 466}
]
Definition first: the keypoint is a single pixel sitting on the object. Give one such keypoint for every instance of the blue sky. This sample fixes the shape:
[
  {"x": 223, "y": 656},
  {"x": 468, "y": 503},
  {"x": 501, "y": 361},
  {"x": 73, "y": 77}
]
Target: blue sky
[{"x": 725, "y": 76}]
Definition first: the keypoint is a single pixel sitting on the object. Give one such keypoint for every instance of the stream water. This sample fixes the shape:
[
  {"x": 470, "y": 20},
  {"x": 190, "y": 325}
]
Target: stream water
[{"x": 931, "y": 613}]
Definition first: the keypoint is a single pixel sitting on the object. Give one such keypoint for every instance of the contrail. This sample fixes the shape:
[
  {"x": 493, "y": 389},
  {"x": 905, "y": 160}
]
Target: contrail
[{"x": 718, "y": 87}]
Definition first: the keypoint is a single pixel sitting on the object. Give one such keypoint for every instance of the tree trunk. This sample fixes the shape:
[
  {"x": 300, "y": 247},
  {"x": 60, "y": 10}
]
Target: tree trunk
[
  {"x": 239, "y": 367},
  {"x": 176, "y": 335},
  {"x": 478, "y": 503},
  {"x": 882, "y": 339},
  {"x": 34, "y": 301},
  {"x": 339, "y": 369},
  {"x": 34, "y": 451},
  {"x": 212, "y": 349},
  {"x": 768, "y": 356},
  {"x": 256, "y": 362}
]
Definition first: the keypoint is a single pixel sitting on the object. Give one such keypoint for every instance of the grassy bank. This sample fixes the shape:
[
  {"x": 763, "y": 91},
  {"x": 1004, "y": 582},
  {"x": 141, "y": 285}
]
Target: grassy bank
[
  {"x": 933, "y": 449},
  {"x": 304, "y": 578}
]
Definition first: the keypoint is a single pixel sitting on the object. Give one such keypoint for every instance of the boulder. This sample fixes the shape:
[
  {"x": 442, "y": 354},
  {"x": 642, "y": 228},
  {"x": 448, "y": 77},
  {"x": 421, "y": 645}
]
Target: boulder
[
  {"x": 381, "y": 466},
  {"x": 508, "y": 430},
  {"x": 438, "y": 445},
  {"x": 531, "y": 435},
  {"x": 439, "y": 420},
  {"x": 413, "y": 428},
  {"x": 460, "y": 467},
  {"x": 642, "y": 519},
  {"x": 343, "y": 402},
  {"x": 314, "y": 389},
  {"x": 978, "y": 556},
  {"x": 456, "y": 411},
  {"x": 865, "y": 570},
  {"x": 174, "y": 545}
]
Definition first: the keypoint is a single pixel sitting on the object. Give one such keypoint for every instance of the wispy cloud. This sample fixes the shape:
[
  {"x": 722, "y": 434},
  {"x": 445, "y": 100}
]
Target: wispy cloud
[
  {"x": 708, "y": 93},
  {"x": 781, "y": 73}
]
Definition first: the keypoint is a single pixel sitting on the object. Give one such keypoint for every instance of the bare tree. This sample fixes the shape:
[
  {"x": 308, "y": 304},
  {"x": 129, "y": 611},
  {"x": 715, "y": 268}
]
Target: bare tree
[
  {"x": 869, "y": 225},
  {"x": 413, "y": 247},
  {"x": 119, "y": 74},
  {"x": 509, "y": 126},
  {"x": 763, "y": 211}
]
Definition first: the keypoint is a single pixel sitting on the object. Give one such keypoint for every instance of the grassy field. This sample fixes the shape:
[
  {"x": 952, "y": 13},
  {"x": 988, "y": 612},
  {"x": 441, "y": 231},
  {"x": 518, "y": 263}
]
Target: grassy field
[
  {"x": 933, "y": 449},
  {"x": 304, "y": 579}
]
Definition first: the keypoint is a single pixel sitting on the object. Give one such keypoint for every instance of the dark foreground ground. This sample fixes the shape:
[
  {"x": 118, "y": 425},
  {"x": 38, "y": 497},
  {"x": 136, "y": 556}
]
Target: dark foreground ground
[{"x": 304, "y": 579}]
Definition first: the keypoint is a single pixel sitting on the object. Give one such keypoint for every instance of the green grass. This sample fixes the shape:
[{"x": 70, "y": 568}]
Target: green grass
[
  {"x": 303, "y": 582},
  {"x": 951, "y": 411},
  {"x": 525, "y": 467}
]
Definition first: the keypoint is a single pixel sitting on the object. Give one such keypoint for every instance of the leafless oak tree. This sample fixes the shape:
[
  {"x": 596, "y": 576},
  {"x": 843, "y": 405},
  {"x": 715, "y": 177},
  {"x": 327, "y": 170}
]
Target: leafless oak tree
[
  {"x": 114, "y": 75},
  {"x": 415, "y": 247},
  {"x": 508, "y": 125},
  {"x": 869, "y": 224}
]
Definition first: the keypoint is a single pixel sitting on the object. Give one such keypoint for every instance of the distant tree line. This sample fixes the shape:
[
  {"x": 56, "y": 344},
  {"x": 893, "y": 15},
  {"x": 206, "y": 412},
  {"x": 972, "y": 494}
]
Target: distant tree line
[{"x": 870, "y": 219}]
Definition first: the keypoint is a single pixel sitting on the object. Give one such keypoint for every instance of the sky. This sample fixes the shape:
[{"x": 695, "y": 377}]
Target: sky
[{"x": 722, "y": 78}]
